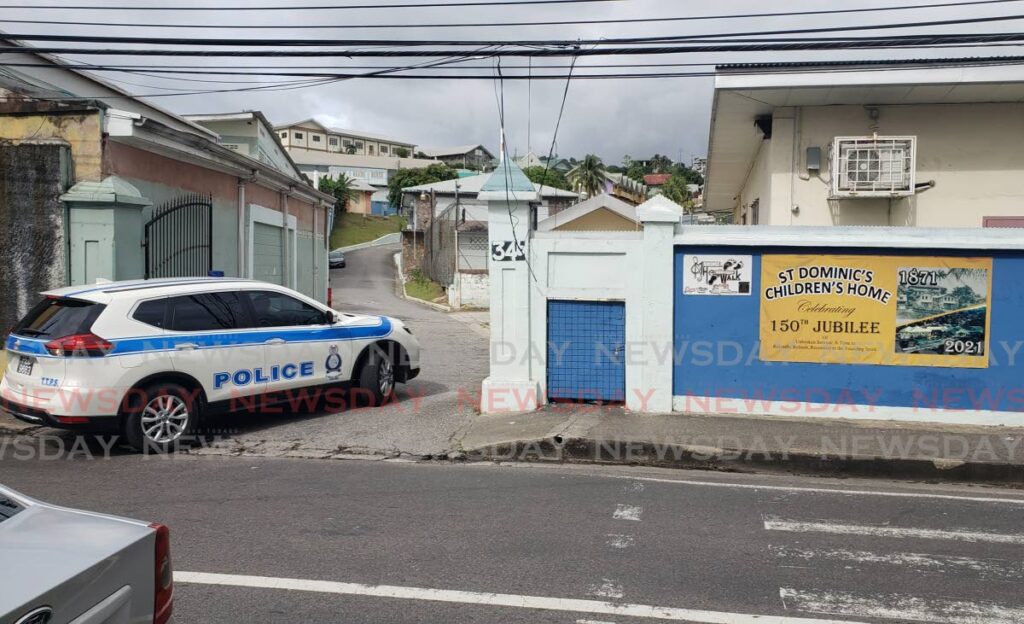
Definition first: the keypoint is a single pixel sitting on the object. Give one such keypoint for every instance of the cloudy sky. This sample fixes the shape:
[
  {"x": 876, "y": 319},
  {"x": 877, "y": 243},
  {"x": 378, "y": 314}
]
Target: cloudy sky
[{"x": 611, "y": 118}]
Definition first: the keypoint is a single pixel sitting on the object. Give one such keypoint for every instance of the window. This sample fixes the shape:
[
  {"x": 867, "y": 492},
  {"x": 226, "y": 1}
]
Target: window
[
  {"x": 316, "y": 138},
  {"x": 369, "y": 150},
  {"x": 383, "y": 149},
  {"x": 207, "y": 312},
  {"x": 274, "y": 309},
  {"x": 151, "y": 312},
  {"x": 284, "y": 135},
  {"x": 56, "y": 318},
  {"x": 359, "y": 145},
  {"x": 332, "y": 141},
  {"x": 298, "y": 135}
]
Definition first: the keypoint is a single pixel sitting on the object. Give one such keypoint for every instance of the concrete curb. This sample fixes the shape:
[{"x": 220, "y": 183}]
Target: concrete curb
[
  {"x": 401, "y": 289},
  {"x": 579, "y": 450},
  {"x": 387, "y": 239}
]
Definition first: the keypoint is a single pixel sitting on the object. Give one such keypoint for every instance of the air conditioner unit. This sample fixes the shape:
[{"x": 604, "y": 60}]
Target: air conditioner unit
[{"x": 874, "y": 166}]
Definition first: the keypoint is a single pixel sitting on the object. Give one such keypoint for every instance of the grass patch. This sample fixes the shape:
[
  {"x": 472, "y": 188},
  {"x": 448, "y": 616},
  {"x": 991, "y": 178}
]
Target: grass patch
[
  {"x": 352, "y": 229},
  {"x": 422, "y": 287}
]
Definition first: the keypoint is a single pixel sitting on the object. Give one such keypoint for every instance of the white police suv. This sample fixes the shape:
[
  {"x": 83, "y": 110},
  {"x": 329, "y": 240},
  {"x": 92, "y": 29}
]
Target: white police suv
[{"x": 149, "y": 357}]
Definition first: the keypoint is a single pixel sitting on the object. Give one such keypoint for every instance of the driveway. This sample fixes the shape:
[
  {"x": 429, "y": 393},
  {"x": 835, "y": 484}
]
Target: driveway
[{"x": 427, "y": 412}]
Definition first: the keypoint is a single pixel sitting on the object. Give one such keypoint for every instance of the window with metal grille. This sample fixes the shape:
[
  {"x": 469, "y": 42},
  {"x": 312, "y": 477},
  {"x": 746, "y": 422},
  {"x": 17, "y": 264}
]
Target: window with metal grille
[{"x": 873, "y": 166}]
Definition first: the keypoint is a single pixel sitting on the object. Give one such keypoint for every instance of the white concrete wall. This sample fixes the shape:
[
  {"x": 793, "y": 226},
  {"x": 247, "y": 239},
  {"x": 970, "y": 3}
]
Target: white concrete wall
[
  {"x": 470, "y": 290},
  {"x": 971, "y": 151}
]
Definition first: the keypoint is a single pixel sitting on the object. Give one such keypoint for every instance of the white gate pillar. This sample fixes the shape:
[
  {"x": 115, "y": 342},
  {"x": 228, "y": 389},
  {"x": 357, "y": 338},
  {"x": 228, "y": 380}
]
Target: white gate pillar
[
  {"x": 510, "y": 387},
  {"x": 654, "y": 394}
]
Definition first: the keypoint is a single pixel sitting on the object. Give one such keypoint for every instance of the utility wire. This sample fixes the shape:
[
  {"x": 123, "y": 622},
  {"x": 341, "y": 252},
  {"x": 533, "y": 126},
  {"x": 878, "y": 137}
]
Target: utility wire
[
  {"x": 749, "y": 69},
  {"x": 292, "y": 7},
  {"x": 392, "y": 26},
  {"x": 276, "y": 43},
  {"x": 560, "y": 49}
]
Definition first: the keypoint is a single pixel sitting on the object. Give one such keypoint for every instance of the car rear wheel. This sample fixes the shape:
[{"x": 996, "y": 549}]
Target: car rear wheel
[
  {"x": 166, "y": 414},
  {"x": 378, "y": 377}
]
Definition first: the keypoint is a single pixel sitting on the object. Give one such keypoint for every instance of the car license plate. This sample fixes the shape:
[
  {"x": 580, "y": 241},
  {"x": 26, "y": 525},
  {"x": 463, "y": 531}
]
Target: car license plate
[{"x": 25, "y": 365}]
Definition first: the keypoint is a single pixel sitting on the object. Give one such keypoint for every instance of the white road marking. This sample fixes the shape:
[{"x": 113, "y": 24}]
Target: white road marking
[
  {"x": 620, "y": 541},
  {"x": 635, "y": 486},
  {"x": 593, "y": 622},
  {"x": 990, "y": 569},
  {"x": 902, "y": 608},
  {"x": 808, "y": 490},
  {"x": 607, "y": 589},
  {"x": 798, "y": 526},
  {"x": 628, "y": 512},
  {"x": 568, "y": 605}
]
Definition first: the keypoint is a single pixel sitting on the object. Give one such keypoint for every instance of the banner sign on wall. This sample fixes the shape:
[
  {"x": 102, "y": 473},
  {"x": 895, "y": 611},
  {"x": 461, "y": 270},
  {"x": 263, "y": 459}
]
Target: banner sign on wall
[
  {"x": 893, "y": 310},
  {"x": 717, "y": 274}
]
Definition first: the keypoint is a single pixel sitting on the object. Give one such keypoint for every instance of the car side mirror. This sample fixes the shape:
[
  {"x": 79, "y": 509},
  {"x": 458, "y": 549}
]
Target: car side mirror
[{"x": 330, "y": 317}]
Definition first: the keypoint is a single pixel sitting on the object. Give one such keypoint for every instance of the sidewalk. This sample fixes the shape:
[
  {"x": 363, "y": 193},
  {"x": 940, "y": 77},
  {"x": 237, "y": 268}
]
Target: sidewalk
[{"x": 583, "y": 433}]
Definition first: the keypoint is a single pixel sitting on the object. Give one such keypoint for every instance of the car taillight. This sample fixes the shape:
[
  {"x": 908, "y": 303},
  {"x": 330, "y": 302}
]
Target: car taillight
[
  {"x": 163, "y": 596},
  {"x": 79, "y": 345}
]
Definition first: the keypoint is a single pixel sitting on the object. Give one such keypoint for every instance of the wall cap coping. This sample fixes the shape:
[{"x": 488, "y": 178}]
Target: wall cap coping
[
  {"x": 659, "y": 209},
  {"x": 112, "y": 190},
  {"x": 875, "y": 237}
]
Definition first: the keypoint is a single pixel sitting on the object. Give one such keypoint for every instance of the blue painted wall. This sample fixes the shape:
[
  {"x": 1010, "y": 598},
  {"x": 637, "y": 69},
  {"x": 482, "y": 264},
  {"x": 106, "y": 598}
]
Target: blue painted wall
[{"x": 716, "y": 349}]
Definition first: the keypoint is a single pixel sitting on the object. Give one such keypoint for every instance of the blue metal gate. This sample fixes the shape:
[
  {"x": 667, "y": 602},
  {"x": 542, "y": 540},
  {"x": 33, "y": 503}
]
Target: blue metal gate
[{"x": 586, "y": 351}]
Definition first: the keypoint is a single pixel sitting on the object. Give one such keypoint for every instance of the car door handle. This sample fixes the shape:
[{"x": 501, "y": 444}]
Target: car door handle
[
  {"x": 275, "y": 341},
  {"x": 186, "y": 346}
]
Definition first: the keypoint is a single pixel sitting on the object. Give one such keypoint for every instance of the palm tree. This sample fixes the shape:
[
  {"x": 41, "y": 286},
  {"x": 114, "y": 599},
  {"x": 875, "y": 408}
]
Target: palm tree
[
  {"x": 340, "y": 188},
  {"x": 588, "y": 177}
]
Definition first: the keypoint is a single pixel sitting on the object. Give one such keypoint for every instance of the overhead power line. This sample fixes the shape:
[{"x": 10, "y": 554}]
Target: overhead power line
[
  {"x": 277, "y": 43},
  {"x": 392, "y": 26},
  {"x": 566, "y": 48},
  {"x": 750, "y": 69},
  {"x": 293, "y": 7}
]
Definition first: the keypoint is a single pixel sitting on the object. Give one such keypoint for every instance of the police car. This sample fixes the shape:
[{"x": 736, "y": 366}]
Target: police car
[{"x": 148, "y": 358}]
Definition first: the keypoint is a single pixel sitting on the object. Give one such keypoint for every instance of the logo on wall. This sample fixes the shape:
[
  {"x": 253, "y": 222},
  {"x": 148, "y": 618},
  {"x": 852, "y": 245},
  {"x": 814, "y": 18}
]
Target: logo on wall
[
  {"x": 717, "y": 275},
  {"x": 333, "y": 362}
]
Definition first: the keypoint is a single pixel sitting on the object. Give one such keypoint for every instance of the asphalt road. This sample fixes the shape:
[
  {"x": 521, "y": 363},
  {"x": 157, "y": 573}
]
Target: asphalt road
[{"x": 389, "y": 542}]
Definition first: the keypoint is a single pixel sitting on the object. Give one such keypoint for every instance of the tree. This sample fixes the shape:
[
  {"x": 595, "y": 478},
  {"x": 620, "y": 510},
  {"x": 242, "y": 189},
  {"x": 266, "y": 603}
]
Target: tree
[
  {"x": 547, "y": 177},
  {"x": 659, "y": 164},
  {"x": 421, "y": 155},
  {"x": 588, "y": 176},
  {"x": 351, "y": 148},
  {"x": 414, "y": 177},
  {"x": 402, "y": 152},
  {"x": 340, "y": 188},
  {"x": 675, "y": 189},
  {"x": 691, "y": 176}
]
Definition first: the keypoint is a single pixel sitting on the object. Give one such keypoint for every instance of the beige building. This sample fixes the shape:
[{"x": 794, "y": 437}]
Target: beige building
[
  {"x": 933, "y": 144},
  {"x": 310, "y": 134}
]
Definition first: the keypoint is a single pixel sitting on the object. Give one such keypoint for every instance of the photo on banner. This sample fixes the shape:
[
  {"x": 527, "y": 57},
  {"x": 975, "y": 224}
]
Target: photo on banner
[{"x": 888, "y": 310}]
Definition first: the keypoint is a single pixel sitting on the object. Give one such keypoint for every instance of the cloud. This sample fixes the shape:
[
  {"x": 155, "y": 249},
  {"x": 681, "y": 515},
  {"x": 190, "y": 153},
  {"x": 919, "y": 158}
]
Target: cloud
[{"x": 611, "y": 118}]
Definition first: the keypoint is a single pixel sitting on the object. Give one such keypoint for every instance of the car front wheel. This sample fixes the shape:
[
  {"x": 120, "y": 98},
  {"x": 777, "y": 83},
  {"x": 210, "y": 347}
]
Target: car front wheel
[{"x": 378, "y": 377}]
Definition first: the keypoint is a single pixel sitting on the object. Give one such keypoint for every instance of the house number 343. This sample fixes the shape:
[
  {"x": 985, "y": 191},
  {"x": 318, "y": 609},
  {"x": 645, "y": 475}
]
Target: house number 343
[{"x": 508, "y": 251}]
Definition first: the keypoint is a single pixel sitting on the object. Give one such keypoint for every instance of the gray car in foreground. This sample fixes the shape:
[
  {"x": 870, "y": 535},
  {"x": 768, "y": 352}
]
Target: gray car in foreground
[{"x": 71, "y": 566}]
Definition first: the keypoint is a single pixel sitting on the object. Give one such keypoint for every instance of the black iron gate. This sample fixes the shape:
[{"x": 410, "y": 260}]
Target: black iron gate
[{"x": 178, "y": 240}]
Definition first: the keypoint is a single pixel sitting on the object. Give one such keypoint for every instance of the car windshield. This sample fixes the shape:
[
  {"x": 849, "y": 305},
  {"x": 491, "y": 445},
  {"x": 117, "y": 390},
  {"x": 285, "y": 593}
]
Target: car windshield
[{"x": 57, "y": 317}]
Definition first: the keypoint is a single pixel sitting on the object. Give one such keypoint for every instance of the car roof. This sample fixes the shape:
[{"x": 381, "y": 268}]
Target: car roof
[{"x": 104, "y": 291}]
